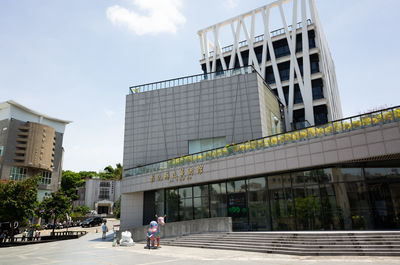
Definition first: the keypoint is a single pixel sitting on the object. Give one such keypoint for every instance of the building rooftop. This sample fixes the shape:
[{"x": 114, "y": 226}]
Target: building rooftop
[
  {"x": 11, "y": 109},
  {"x": 186, "y": 80}
]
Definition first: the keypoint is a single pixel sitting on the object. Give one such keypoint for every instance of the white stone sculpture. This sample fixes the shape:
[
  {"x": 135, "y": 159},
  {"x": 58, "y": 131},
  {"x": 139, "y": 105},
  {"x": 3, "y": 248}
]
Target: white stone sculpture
[{"x": 126, "y": 239}]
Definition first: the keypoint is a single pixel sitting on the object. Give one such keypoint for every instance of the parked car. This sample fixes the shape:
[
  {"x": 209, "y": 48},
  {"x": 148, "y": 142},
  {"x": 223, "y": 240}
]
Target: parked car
[
  {"x": 48, "y": 226},
  {"x": 92, "y": 221}
]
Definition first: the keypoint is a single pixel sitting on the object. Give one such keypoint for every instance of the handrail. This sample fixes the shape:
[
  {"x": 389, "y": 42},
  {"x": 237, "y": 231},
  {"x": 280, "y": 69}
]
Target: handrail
[
  {"x": 352, "y": 123},
  {"x": 186, "y": 80}
]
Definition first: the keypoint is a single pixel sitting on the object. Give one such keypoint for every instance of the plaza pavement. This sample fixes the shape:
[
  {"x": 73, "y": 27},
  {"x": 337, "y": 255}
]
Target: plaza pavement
[{"x": 91, "y": 249}]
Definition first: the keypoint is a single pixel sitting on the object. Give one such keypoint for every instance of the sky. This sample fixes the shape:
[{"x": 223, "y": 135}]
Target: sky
[{"x": 75, "y": 59}]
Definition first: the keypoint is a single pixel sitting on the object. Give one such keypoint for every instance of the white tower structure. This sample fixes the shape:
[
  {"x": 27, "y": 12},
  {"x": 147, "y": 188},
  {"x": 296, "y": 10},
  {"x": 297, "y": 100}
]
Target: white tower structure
[{"x": 293, "y": 59}]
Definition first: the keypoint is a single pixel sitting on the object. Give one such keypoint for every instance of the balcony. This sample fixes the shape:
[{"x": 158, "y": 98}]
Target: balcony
[
  {"x": 20, "y": 151},
  {"x": 22, "y": 139},
  {"x": 22, "y": 133}
]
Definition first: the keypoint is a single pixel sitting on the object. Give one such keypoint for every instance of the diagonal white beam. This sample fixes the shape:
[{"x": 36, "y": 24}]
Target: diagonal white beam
[
  {"x": 252, "y": 55},
  {"x": 266, "y": 18}
]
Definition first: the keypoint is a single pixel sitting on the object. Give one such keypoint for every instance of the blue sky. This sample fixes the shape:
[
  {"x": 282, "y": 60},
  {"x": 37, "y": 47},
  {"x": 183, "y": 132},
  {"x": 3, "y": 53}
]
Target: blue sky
[{"x": 75, "y": 59}]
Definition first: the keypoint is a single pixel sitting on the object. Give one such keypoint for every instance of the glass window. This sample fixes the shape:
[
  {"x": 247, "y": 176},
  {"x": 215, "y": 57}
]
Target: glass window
[
  {"x": 353, "y": 201},
  {"x": 297, "y": 95},
  {"x": 185, "y": 192},
  {"x": 186, "y": 209},
  {"x": 258, "y": 205},
  {"x": 1, "y": 150},
  {"x": 347, "y": 174},
  {"x": 201, "y": 207},
  {"x": 317, "y": 92},
  {"x": 237, "y": 204},
  {"x": 196, "y": 146},
  {"x": 281, "y": 201},
  {"x": 275, "y": 124},
  {"x": 382, "y": 173},
  {"x": 236, "y": 186},
  {"x": 45, "y": 178},
  {"x": 18, "y": 173},
  {"x": 159, "y": 202},
  {"x": 218, "y": 203},
  {"x": 185, "y": 203},
  {"x": 307, "y": 200},
  {"x": 104, "y": 192},
  {"x": 172, "y": 206},
  {"x": 199, "y": 191}
]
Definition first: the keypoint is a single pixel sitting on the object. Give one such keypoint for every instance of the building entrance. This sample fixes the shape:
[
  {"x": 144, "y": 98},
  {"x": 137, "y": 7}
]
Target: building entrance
[
  {"x": 237, "y": 205},
  {"x": 385, "y": 205},
  {"x": 102, "y": 209}
]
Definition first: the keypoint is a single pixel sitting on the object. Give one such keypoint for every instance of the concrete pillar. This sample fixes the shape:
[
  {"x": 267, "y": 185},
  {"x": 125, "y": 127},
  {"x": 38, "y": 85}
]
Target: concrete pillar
[{"x": 131, "y": 210}]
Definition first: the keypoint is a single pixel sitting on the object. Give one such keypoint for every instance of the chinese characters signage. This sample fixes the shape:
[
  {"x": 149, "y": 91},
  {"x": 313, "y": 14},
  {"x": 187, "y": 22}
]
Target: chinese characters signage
[{"x": 178, "y": 175}]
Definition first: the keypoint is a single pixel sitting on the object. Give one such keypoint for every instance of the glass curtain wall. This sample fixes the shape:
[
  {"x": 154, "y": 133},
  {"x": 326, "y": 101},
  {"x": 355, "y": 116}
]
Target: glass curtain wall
[
  {"x": 281, "y": 201},
  {"x": 320, "y": 199},
  {"x": 258, "y": 204},
  {"x": 201, "y": 203},
  {"x": 185, "y": 204},
  {"x": 160, "y": 202},
  {"x": 237, "y": 204},
  {"x": 218, "y": 203}
]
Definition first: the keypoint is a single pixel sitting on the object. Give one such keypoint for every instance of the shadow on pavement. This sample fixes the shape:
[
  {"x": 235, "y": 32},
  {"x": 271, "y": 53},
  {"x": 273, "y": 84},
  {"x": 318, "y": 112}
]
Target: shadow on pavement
[{"x": 109, "y": 238}]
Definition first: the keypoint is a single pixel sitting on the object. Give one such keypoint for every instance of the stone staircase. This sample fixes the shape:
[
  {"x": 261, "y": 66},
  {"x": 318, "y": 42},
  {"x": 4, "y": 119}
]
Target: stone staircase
[{"x": 369, "y": 243}]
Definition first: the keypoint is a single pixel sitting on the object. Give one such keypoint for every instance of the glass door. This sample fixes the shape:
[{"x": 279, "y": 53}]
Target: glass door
[{"x": 237, "y": 205}]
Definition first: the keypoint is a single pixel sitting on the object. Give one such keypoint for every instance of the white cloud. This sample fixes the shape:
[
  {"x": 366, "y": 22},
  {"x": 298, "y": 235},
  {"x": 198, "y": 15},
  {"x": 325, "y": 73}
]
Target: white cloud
[
  {"x": 162, "y": 16},
  {"x": 230, "y": 4},
  {"x": 109, "y": 113}
]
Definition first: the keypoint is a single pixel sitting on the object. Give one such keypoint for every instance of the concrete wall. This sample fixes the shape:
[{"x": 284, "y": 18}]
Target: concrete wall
[
  {"x": 208, "y": 225},
  {"x": 159, "y": 123},
  {"x": 345, "y": 147},
  {"x": 131, "y": 210},
  {"x": 92, "y": 191}
]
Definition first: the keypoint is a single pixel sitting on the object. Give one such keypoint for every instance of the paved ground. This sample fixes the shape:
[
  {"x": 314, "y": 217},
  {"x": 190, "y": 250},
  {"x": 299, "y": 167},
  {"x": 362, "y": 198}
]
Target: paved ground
[
  {"x": 91, "y": 249},
  {"x": 97, "y": 229}
]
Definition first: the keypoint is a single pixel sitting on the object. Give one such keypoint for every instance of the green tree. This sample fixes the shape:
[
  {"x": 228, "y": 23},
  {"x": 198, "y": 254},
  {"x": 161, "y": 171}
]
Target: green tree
[
  {"x": 18, "y": 199},
  {"x": 112, "y": 173},
  {"x": 70, "y": 182},
  {"x": 56, "y": 206},
  {"x": 88, "y": 174},
  {"x": 82, "y": 209},
  {"x": 117, "y": 206}
]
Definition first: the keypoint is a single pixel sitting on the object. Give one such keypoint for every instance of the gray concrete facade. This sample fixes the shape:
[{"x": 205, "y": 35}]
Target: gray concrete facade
[
  {"x": 160, "y": 123},
  {"x": 381, "y": 141},
  {"x": 209, "y": 225}
]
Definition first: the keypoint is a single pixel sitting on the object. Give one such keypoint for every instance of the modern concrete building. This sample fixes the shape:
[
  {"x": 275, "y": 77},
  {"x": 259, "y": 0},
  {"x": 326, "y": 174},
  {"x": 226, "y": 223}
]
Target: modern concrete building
[
  {"x": 343, "y": 175},
  {"x": 215, "y": 145},
  {"x": 197, "y": 113},
  {"x": 293, "y": 59},
  {"x": 99, "y": 195},
  {"x": 31, "y": 144}
]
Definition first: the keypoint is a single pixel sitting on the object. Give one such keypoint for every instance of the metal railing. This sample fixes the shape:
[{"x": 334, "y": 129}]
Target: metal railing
[
  {"x": 260, "y": 37},
  {"x": 52, "y": 237},
  {"x": 335, "y": 127},
  {"x": 190, "y": 79}
]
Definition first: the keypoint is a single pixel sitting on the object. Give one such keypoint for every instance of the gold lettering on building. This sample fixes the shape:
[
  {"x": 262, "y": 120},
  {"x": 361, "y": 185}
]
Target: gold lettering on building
[
  {"x": 200, "y": 169},
  {"x": 174, "y": 176},
  {"x": 181, "y": 175}
]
